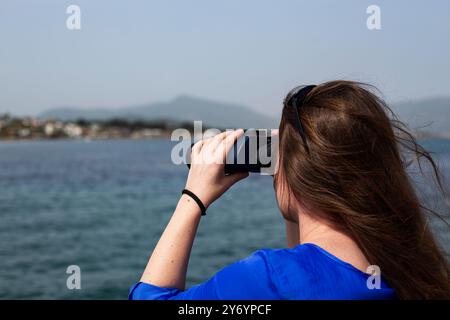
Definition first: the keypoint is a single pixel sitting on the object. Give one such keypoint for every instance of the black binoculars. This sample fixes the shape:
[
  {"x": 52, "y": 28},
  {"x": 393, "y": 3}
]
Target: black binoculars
[{"x": 254, "y": 151}]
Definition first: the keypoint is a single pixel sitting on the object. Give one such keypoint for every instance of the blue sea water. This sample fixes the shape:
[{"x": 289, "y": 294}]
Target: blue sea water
[{"x": 102, "y": 206}]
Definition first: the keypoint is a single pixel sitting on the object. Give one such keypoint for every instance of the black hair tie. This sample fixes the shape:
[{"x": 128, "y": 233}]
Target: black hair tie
[{"x": 196, "y": 199}]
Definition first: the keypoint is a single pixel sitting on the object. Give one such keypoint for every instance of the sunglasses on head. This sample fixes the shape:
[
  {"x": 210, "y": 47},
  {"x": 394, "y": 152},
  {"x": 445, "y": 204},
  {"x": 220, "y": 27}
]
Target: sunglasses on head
[{"x": 295, "y": 99}]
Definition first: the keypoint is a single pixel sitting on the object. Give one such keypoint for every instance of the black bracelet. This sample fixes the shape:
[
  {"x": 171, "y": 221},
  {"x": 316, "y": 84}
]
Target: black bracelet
[{"x": 196, "y": 199}]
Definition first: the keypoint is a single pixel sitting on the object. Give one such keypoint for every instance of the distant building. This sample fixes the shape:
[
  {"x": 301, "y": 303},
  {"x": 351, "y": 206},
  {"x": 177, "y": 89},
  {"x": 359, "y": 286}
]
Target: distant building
[
  {"x": 49, "y": 129},
  {"x": 72, "y": 130}
]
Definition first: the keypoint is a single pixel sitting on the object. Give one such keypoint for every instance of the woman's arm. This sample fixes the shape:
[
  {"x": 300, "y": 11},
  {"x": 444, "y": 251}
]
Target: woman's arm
[{"x": 168, "y": 264}]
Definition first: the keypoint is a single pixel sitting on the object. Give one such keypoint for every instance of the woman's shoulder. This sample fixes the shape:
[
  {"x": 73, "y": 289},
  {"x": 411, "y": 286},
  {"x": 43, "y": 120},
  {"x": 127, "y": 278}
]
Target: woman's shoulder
[
  {"x": 307, "y": 271},
  {"x": 266, "y": 261},
  {"x": 274, "y": 261},
  {"x": 268, "y": 272},
  {"x": 300, "y": 255},
  {"x": 301, "y": 249}
]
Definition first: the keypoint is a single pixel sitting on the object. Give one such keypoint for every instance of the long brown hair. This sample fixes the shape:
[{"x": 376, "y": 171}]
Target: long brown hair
[{"x": 355, "y": 173}]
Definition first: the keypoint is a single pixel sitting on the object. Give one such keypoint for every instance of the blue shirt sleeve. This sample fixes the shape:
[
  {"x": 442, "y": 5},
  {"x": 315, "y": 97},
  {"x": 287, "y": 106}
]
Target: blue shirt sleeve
[{"x": 249, "y": 278}]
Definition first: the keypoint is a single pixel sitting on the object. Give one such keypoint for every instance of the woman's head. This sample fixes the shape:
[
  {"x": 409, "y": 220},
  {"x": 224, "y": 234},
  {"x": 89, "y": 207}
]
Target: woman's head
[{"x": 349, "y": 169}]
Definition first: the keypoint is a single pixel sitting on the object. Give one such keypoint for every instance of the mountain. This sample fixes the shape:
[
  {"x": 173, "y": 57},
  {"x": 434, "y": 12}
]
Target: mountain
[
  {"x": 182, "y": 108},
  {"x": 426, "y": 115}
]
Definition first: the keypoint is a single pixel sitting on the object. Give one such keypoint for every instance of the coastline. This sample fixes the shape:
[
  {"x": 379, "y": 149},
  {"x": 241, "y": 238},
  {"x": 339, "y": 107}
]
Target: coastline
[{"x": 163, "y": 136}]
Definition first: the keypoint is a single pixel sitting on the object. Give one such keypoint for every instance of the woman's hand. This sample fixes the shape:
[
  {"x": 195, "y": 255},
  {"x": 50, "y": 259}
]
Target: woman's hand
[{"x": 207, "y": 177}]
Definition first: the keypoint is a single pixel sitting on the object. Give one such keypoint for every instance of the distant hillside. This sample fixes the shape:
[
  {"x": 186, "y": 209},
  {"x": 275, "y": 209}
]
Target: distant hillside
[
  {"x": 182, "y": 108},
  {"x": 427, "y": 115}
]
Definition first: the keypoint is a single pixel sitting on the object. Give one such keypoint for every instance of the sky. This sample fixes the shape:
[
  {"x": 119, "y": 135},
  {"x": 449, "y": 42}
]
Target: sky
[{"x": 247, "y": 52}]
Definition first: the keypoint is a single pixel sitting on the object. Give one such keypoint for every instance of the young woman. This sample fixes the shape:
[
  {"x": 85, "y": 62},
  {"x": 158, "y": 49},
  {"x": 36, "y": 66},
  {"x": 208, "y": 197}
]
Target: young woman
[{"x": 346, "y": 199}]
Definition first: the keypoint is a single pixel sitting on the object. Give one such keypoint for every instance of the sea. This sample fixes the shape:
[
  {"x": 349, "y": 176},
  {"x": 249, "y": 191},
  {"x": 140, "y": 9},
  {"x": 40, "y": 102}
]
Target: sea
[{"x": 102, "y": 205}]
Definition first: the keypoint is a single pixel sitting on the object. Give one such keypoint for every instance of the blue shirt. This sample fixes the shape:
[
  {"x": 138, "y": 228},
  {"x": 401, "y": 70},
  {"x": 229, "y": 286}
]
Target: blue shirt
[{"x": 304, "y": 272}]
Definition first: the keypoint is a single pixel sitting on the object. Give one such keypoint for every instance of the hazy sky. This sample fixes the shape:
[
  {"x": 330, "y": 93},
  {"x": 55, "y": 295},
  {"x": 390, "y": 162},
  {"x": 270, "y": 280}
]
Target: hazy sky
[{"x": 249, "y": 52}]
